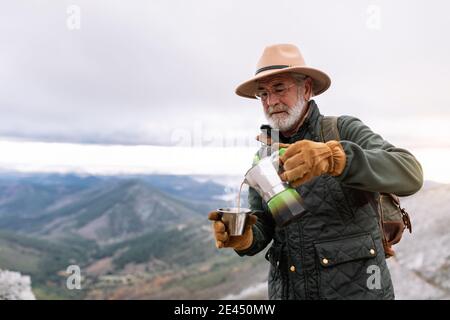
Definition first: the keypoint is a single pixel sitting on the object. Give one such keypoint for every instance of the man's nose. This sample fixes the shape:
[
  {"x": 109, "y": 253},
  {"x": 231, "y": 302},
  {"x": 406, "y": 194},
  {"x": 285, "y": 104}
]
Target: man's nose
[{"x": 272, "y": 99}]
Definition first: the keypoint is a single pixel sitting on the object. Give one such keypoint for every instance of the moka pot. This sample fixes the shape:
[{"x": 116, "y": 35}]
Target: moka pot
[{"x": 284, "y": 202}]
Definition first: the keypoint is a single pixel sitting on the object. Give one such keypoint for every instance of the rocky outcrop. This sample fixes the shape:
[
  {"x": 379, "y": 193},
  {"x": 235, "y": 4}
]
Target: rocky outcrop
[{"x": 14, "y": 286}]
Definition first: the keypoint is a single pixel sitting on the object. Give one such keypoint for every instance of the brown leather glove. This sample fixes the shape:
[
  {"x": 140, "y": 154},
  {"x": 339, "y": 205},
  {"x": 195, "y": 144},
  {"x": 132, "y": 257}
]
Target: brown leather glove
[
  {"x": 305, "y": 159},
  {"x": 223, "y": 240}
]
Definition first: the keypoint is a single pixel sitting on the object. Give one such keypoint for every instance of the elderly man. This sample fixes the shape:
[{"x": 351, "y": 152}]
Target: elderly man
[{"x": 336, "y": 245}]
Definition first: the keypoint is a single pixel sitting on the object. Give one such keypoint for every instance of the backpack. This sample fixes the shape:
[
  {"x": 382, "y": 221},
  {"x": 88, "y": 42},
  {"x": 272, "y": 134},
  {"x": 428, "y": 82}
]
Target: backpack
[{"x": 393, "y": 219}]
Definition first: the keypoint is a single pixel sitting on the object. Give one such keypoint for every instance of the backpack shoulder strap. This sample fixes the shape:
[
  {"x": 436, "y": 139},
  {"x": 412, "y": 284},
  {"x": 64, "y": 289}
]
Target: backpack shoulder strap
[{"x": 330, "y": 129}]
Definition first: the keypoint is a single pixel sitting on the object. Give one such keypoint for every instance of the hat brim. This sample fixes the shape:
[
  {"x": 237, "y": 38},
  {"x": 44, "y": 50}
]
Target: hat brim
[{"x": 321, "y": 81}]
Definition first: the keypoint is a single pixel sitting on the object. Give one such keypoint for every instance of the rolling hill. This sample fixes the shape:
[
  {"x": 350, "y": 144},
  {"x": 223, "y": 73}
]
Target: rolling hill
[{"x": 129, "y": 235}]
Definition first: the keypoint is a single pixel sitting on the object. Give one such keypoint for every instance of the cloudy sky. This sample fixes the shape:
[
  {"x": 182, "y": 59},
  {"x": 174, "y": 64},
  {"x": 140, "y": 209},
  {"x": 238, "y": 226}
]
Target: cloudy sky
[{"x": 163, "y": 73}]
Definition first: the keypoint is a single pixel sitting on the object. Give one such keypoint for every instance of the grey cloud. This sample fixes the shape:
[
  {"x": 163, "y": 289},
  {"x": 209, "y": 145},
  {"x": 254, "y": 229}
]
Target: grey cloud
[{"x": 135, "y": 72}]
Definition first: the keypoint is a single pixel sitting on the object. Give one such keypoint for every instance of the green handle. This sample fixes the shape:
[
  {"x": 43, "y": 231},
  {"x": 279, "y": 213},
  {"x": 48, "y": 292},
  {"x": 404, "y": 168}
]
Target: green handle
[{"x": 282, "y": 151}]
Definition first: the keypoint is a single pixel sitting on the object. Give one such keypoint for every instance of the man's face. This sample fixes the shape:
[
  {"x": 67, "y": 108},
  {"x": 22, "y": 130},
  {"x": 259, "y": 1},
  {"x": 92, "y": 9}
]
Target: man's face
[{"x": 283, "y": 101}]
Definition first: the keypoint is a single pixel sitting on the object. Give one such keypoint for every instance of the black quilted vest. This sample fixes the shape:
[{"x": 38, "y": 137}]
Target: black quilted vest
[{"x": 334, "y": 251}]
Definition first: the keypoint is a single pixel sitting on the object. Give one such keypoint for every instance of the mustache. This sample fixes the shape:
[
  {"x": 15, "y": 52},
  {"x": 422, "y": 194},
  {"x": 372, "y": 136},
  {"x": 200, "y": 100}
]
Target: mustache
[{"x": 277, "y": 108}]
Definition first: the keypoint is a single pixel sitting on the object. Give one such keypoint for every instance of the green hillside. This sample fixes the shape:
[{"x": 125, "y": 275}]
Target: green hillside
[{"x": 130, "y": 237}]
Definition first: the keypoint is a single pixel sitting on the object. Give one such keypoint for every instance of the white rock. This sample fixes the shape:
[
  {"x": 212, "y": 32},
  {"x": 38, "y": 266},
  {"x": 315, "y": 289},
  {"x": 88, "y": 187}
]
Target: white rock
[{"x": 14, "y": 286}]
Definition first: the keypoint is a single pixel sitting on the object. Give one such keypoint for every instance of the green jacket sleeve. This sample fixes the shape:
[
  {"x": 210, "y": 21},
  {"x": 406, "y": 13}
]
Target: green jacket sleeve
[
  {"x": 373, "y": 164},
  {"x": 264, "y": 228}
]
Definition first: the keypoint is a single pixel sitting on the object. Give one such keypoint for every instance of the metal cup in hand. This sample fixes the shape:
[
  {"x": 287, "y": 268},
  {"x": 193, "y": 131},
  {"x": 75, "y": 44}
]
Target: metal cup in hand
[{"x": 234, "y": 219}]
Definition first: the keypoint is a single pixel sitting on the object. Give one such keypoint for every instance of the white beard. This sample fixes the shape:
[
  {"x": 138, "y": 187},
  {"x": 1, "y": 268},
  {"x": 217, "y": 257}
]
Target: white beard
[{"x": 285, "y": 121}]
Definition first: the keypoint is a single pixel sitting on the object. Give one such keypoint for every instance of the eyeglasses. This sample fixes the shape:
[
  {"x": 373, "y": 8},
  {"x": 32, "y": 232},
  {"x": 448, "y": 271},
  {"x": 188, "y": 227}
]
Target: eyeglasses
[{"x": 278, "y": 90}]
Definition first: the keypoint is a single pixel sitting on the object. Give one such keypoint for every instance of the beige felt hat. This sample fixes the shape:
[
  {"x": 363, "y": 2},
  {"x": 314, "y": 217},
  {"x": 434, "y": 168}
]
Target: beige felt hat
[{"x": 283, "y": 58}]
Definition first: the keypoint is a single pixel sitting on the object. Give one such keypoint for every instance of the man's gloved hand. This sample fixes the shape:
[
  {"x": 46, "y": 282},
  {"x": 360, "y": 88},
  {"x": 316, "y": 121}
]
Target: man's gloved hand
[
  {"x": 306, "y": 159},
  {"x": 223, "y": 240}
]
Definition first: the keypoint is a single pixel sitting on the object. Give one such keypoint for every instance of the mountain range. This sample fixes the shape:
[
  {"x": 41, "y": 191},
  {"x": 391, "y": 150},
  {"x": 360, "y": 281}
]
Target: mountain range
[
  {"x": 125, "y": 230},
  {"x": 148, "y": 237}
]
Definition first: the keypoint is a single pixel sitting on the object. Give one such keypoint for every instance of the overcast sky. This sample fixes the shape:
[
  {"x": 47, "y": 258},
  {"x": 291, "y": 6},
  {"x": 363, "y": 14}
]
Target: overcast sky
[
  {"x": 146, "y": 72},
  {"x": 163, "y": 73}
]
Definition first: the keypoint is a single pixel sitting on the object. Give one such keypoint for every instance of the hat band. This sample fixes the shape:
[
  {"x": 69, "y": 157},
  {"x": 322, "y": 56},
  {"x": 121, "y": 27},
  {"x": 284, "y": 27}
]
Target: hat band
[{"x": 270, "y": 68}]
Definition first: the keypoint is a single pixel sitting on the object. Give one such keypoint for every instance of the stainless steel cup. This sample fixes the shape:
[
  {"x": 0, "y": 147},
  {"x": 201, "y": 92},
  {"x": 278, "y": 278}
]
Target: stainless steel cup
[{"x": 234, "y": 219}]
